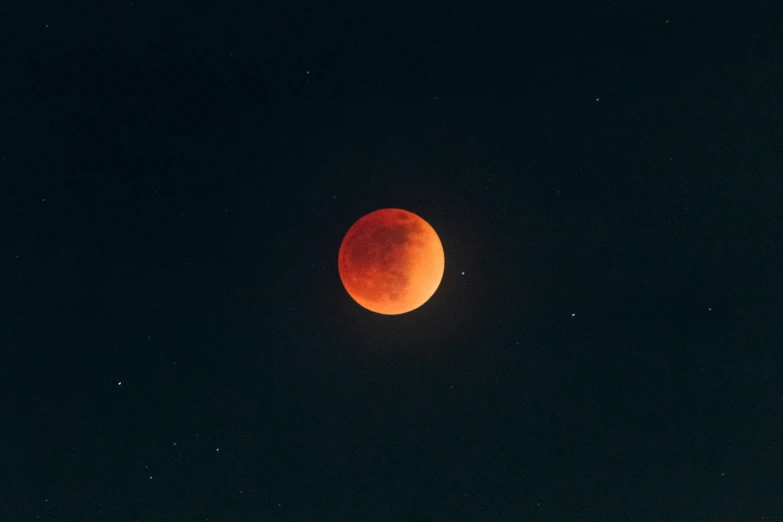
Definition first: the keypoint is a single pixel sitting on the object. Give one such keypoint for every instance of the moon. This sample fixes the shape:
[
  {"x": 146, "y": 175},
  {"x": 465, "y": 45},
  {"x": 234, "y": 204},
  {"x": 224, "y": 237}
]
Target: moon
[{"x": 391, "y": 261}]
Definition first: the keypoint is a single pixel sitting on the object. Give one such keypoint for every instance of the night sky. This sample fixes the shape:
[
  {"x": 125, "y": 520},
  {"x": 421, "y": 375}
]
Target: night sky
[{"x": 175, "y": 340}]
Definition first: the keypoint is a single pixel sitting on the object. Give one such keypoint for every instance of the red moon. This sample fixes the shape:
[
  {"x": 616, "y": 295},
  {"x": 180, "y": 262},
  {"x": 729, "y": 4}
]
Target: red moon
[{"x": 391, "y": 261}]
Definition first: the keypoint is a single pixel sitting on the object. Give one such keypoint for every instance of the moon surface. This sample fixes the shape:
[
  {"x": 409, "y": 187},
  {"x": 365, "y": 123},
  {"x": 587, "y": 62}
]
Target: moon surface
[{"x": 391, "y": 261}]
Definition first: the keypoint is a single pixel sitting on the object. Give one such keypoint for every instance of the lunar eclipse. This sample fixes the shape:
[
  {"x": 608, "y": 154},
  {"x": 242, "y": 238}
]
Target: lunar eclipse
[{"x": 391, "y": 261}]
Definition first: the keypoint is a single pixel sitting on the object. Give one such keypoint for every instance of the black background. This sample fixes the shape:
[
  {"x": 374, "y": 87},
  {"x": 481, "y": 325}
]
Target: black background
[{"x": 176, "y": 180}]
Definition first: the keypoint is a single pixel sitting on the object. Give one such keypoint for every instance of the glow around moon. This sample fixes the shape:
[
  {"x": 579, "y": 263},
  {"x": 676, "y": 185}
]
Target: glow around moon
[{"x": 391, "y": 261}]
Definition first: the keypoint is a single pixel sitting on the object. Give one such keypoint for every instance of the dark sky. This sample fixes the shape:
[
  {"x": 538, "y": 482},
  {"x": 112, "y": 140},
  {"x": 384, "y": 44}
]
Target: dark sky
[{"x": 175, "y": 341}]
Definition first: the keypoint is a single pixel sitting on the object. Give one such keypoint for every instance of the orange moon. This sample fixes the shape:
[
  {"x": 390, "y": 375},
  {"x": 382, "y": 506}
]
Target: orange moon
[{"x": 391, "y": 261}]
